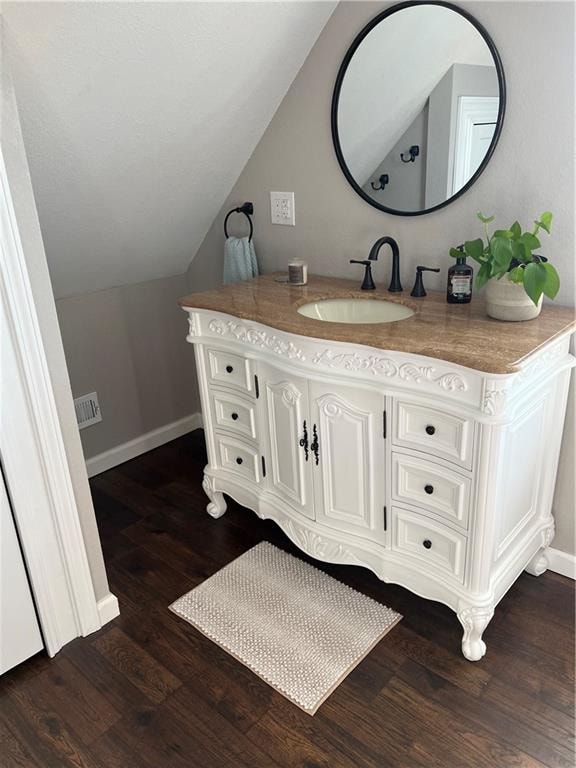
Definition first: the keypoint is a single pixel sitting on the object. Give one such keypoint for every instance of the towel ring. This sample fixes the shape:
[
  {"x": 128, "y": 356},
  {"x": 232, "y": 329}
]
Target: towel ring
[{"x": 247, "y": 209}]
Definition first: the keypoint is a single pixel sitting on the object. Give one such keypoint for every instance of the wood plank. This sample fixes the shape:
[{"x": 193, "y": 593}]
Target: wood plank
[
  {"x": 446, "y": 736},
  {"x": 128, "y": 658},
  {"x": 13, "y": 751},
  {"x": 37, "y": 719},
  {"x": 499, "y": 720},
  {"x": 471, "y": 677},
  {"x": 82, "y": 708},
  {"x": 228, "y": 686}
]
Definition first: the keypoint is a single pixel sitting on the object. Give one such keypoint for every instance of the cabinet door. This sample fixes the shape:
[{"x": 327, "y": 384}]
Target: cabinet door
[
  {"x": 349, "y": 477},
  {"x": 284, "y": 413}
]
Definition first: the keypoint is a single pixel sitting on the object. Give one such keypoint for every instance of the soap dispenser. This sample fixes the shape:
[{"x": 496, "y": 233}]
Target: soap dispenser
[
  {"x": 460, "y": 275},
  {"x": 418, "y": 290}
]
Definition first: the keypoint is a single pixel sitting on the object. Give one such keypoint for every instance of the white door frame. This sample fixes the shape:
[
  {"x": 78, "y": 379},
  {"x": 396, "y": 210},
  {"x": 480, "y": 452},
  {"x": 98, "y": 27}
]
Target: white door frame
[
  {"x": 34, "y": 456},
  {"x": 471, "y": 110}
]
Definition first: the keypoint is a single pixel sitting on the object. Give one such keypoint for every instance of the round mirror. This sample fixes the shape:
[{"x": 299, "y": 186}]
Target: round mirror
[{"x": 418, "y": 107}]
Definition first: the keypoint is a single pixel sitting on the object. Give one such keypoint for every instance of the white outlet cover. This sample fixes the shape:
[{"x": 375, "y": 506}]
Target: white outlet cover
[{"x": 282, "y": 208}]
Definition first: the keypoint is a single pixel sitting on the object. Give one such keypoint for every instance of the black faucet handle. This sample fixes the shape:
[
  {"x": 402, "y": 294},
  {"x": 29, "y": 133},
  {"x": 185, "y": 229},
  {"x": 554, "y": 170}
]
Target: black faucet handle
[
  {"x": 368, "y": 282},
  {"x": 418, "y": 291}
]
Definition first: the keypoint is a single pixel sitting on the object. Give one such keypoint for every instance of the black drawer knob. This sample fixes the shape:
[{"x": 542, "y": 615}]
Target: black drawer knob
[
  {"x": 234, "y": 416},
  {"x": 239, "y": 460},
  {"x": 429, "y": 489},
  {"x": 427, "y": 544},
  {"x": 229, "y": 369},
  {"x": 430, "y": 430}
]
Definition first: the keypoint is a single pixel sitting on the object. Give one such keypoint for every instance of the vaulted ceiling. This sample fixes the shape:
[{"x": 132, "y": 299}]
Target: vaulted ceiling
[{"x": 138, "y": 119}]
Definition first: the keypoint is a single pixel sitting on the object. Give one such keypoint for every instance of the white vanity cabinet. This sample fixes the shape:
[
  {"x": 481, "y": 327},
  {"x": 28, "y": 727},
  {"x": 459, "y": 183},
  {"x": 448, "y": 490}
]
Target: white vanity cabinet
[{"x": 435, "y": 476}]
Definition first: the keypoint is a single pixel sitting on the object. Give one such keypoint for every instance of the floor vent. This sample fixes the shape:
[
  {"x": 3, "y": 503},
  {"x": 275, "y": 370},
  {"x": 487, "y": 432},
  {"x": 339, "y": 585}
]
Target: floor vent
[{"x": 87, "y": 410}]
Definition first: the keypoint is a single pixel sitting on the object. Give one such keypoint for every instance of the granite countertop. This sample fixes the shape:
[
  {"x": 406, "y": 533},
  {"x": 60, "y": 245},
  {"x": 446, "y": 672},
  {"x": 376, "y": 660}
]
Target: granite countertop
[{"x": 461, "y": 334}]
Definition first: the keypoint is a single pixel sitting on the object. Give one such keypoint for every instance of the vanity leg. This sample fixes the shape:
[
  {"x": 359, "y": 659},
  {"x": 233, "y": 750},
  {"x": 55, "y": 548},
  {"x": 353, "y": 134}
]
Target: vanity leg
[
  {"x": 217, "y": 505},
  {"x": 539, "y": 563},
  {"x": 474, "y": 620}
]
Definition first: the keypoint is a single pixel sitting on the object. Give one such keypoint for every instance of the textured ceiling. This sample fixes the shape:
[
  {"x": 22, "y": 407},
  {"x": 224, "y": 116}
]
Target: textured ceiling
[{"x": 139, "y": 117}]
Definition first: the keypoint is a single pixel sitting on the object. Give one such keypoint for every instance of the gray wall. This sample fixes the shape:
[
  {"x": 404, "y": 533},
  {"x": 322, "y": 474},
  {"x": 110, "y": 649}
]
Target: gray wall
[
  {"x": 128, "y": 344},
  {"x": 28, "y": 226},
  {"x": 524, "y": 177}
]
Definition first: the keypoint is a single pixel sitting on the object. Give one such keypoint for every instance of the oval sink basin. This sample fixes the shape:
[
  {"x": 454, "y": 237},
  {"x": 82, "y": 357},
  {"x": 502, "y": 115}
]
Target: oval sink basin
[{"x": 355, "y": 311}]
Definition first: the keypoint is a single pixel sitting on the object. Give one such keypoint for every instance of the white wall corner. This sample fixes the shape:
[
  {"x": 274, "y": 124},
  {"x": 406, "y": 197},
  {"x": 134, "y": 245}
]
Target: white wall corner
[
  {"x": 561, "y": 562},
  {"x": 108, "y": 608},
  {"x": 146, "y": 442}
]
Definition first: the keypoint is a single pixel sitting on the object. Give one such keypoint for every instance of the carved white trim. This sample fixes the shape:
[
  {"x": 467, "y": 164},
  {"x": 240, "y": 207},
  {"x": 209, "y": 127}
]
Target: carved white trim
[
  {"x": 542, "y": 363},
  {"x": 255, "y": 337},
  {"x": 317, "y": 546},
  {"x": 290, "y": 395},
  {"x": 549, "y": 533},
  {"x": 494, "y": 398},
  {"x": 384, "y": 366},
  {"x": 193, "y": 327}
]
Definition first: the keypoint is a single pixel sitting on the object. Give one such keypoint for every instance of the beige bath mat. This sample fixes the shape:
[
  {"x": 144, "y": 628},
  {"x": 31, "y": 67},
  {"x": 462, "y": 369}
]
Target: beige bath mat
[{"x": 297, "y": 628}]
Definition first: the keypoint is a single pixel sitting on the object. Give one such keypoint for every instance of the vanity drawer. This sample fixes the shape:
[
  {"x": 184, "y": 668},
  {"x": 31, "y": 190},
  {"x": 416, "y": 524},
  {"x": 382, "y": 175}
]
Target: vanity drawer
[
  {"x": 229, "y": 369},
  {"x": 429, "y": 542},
  {"x": 435, "y": 431},
  {"x": 432, "y": 486},
  {"x": 237, "y": 456},
  {"x": 233, "y": 412}
]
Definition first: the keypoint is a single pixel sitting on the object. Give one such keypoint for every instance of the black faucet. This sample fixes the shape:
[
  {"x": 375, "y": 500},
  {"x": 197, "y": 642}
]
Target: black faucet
[
  {"x": 368, "y": 282},
  {"x": 395, "y": 284}
]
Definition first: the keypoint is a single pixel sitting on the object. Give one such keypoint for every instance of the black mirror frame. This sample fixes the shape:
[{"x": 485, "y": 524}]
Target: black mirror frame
[{"x": 340, "y": 78}]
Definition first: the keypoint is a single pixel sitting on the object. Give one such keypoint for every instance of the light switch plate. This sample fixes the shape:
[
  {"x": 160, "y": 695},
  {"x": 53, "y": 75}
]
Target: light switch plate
[{"x": 282, "y": 208}]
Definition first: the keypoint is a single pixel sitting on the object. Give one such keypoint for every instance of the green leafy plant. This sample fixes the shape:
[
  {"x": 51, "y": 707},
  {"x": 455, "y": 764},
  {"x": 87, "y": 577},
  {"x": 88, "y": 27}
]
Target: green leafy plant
[{"x": 511, "y": 252}]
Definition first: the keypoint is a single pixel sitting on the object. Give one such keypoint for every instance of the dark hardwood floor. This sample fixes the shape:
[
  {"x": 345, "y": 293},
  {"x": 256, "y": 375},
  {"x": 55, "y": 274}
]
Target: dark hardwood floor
[{"x": 149, "y": 691}]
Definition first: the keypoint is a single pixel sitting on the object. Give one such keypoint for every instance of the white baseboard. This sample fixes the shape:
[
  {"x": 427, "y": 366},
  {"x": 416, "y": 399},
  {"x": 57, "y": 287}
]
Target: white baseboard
[
  {"x": 108, "y": 608},
  {"x": 147, "y": 442},
  {"x": 561, "y": 562}
]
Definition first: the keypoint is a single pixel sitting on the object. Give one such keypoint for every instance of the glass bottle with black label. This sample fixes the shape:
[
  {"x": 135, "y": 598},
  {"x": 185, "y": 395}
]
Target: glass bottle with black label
[{"x": 460, "y": 276}]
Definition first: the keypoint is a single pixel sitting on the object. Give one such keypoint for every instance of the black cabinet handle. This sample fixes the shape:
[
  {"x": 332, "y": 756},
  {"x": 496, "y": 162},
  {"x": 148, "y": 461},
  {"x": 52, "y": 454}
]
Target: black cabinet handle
[
  {"x": 427, "y": 544},
  {"x": 239, "y": 460},
  {"x": 314, "y": 445},
  {"x": 234, "y": 416},
  {"x": 304, "y": 440},
  {"x": 429, "y": 489},
  {"x": 229, "y": 369},
  {"x": 430, "y": 430}
]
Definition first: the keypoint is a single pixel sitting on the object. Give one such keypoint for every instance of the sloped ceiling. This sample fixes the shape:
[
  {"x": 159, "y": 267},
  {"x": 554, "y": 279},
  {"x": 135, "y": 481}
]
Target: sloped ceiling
[{"x": 138, "y": 119}]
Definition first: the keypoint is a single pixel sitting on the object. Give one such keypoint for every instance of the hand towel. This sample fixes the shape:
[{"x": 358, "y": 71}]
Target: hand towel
[{"x": 239, "y": 260}]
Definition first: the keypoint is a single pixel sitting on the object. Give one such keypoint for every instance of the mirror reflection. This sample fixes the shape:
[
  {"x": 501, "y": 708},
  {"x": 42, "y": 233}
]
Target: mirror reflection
[{"x": 417, "y": 108}]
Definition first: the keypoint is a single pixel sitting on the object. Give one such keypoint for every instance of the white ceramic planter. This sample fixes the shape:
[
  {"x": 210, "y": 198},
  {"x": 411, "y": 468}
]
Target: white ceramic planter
[{"x": 508, "y": 301}]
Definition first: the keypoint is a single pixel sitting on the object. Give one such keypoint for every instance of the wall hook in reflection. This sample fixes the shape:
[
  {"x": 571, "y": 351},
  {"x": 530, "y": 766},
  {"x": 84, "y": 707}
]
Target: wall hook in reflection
[
  {"x": 414, "y": 151},
  {"x": 383, "y": 179}
]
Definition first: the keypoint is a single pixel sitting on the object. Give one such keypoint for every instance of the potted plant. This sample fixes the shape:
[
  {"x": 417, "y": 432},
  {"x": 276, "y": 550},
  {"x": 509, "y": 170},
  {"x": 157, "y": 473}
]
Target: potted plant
[{"x": 517, "y": 278}]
